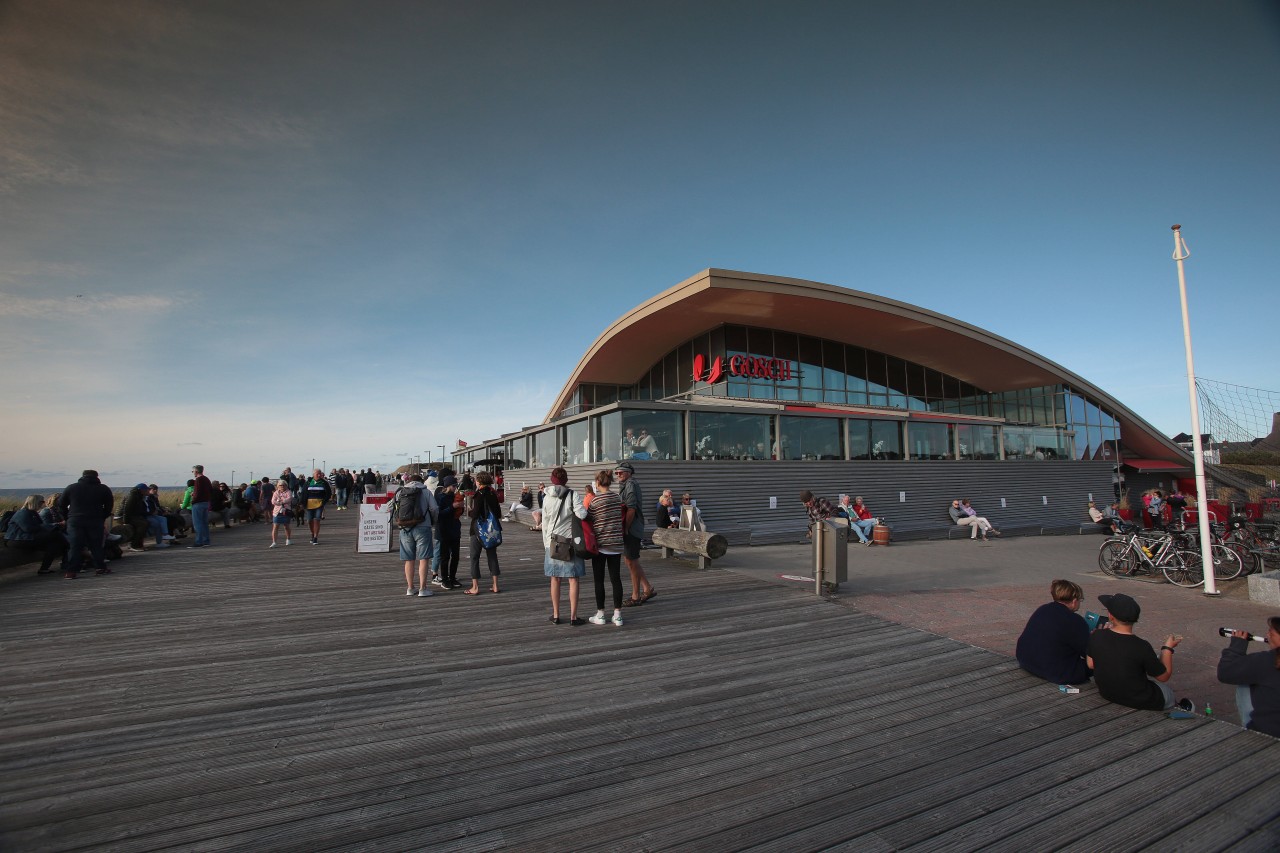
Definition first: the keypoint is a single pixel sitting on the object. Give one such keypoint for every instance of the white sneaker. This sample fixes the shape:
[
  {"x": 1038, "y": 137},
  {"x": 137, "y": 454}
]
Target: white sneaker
[
  {"x": 131, "y": 548},
  {"x": 425, "y": 593},
  {"x": 617, "y": 619},
  {"x": 168, "y": 538},
  {"x": 410, "y": 591},
  {"x": 288, "y": 541},
  {"x": 272, "y": 545},
  {"x": 598, "y": 619}
]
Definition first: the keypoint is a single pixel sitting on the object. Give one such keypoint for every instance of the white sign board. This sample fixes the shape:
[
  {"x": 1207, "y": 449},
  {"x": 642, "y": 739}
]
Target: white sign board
[{"x": 374, "y": 536}]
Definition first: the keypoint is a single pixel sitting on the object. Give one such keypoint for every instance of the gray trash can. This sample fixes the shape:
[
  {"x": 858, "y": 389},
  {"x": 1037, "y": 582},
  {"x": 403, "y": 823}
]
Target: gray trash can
[{"x": 830, "y": 554}]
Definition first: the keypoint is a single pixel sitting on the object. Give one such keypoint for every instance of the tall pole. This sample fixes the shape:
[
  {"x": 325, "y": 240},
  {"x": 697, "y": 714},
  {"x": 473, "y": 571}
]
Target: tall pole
[
  {"x": 442, "y": 454},
  {"x": 1180, "y": 254}
]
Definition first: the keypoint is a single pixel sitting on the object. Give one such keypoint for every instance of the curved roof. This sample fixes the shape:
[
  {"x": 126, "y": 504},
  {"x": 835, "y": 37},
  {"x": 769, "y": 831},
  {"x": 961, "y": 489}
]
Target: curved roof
[{"x": 633, "y": 342}]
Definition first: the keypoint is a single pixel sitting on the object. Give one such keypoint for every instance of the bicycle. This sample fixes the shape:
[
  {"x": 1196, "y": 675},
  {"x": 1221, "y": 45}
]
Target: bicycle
[
  {"x": 1230, "y": 559},
  {"x": 1146, "y": 554}
]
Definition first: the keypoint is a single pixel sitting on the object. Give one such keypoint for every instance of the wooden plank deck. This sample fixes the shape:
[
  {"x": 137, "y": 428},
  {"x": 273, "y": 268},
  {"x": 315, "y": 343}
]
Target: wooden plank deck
[{"x": 296, "y": 699}]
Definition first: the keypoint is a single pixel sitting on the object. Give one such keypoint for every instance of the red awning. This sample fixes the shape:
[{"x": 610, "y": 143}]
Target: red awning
[{"x": 1155, "y": 465}]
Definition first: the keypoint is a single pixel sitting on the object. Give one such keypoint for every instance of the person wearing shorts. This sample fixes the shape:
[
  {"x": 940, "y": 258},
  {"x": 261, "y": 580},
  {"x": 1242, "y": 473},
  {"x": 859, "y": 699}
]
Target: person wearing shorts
[
  {"x": 281, "y": 511},
  {"x": 316, "y": 494},
  {"x": 633, "y": 530}
]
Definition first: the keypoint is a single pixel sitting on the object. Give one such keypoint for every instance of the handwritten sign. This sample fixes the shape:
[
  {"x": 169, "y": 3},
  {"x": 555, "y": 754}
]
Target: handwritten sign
[{"x": 374, "y": 536}]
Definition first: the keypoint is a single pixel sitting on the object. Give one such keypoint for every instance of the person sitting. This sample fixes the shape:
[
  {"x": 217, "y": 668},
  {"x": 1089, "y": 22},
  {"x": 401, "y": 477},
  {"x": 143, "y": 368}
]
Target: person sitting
[
  {"x": 1257, "y": 679},
  {"x": 666, "y": 515},
  {"x": 690, "y": 517},
  {"x": 27, "y": 531},
  {"x": 645, "y": 446},
  {"x": 861, "y": 521},
  {"x": 1125, "y": 667},
  {"x": 1118, "y": 525},
  {"x": 1105, "y": 527},
  {"x": 1055, "y": 640},
  {"x": 157, "y": 523},
  {"x": 977, "y": 524},
  {"x": 133, "y": 513}
]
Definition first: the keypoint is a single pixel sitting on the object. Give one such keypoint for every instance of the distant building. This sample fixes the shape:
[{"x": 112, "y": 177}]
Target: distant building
[{"x": 1211, "y": 449}]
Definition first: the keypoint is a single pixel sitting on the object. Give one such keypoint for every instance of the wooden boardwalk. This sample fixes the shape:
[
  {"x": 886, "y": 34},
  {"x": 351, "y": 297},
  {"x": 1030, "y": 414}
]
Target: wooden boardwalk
[{"x": 295, "y": 699}]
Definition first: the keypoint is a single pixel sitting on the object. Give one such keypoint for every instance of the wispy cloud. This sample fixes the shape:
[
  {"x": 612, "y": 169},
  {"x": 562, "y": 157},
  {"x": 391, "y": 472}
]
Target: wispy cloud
[{"x": 86, "y": 305}]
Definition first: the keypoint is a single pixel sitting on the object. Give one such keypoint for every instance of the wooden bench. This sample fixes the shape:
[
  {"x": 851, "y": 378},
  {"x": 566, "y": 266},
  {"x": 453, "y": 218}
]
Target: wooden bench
[
  {"x": 707, "y": 545},
  {"x": 522, "y": 515}
]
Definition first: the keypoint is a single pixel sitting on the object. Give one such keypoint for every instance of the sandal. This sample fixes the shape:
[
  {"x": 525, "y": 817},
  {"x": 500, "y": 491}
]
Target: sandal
[
  {"x": 652, "y": 593},
  {"x": 470, "y": 592},
  {"x": 633, "y": 602}
]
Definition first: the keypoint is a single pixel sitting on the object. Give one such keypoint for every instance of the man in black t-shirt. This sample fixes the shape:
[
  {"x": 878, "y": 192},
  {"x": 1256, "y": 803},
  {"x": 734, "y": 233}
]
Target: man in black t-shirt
[{"x": 1125, "y": 667}]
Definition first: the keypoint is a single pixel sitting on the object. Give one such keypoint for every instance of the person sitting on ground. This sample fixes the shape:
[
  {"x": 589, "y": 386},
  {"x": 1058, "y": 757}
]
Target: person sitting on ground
[
  {"x": 1125, "y": 667},
  {"x": 1257, "y": 679},
  {"x": 861, "y": 521},
  {"x": 1055, "y": 641},
  {"x": 26, "y": 531}
]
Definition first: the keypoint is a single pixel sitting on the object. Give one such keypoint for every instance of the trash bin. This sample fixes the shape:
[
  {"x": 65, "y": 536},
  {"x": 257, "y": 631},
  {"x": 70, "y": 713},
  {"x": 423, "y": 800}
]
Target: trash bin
[{"x": 830, "y": 553}]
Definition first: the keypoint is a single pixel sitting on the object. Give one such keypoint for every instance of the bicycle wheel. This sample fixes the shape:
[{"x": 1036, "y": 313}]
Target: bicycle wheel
[
  {"x": 1114, "y": 557},
  {"x": 1226, "y": 563},
  {"x": 1185, "y": 569},
  {"x": 1250, "y": 562}
]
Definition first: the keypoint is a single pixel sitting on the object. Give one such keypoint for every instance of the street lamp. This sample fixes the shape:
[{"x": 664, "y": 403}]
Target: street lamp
[{"x": 441, "y": 446}]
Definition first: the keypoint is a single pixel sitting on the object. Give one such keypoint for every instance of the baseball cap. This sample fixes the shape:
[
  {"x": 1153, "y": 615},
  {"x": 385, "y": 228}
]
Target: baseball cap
[
  {"x": 1121, "y": 606},
  {"x": 142, "y": 487}
]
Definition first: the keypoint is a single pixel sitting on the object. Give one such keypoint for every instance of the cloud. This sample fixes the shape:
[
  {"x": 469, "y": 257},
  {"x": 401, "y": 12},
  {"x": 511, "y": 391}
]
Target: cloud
[{"x": 87, "y": 305}]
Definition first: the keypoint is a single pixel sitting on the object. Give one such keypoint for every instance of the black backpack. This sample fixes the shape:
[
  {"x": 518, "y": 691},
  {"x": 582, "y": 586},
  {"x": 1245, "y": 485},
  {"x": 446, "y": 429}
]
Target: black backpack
[
  {"x": 4, "y": 526},
  {"x": 405, "y": 510}
]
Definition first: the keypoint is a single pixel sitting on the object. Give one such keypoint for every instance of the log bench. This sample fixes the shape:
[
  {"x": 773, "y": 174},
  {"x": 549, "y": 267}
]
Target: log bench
[{"x": 707, "y": 545}]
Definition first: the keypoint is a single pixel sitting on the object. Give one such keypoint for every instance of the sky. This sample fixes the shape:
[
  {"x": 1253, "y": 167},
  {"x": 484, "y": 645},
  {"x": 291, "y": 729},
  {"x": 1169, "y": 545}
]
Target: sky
[{"x": 249, "y": 234}]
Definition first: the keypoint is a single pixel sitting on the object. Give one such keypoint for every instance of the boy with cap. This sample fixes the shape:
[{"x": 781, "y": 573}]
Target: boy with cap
[{"x": 1125, "y": 667}]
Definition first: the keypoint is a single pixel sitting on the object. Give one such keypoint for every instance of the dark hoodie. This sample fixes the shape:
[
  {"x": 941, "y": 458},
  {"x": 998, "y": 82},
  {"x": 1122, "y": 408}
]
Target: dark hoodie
[
  {"x": 448, "y": 525},
  {"x": 87, "y": 499}
]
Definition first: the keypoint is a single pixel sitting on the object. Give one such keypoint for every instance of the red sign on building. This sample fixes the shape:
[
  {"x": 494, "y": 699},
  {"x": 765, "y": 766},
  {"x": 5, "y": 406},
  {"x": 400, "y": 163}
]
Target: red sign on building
[{"x": 753, "y": 366}]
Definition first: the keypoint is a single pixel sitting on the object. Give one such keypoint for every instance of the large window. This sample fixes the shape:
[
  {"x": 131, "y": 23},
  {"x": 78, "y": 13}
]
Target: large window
[
  {"x": 978, "y": 441},
  {"x": 875, "y": 439},
  {"x": 608, "y": 437},
  {"x": 930, "y": 441},
  {"x": 1036, "y": 443},
  {"x": 731, "y": 436},
  {"x": 574, "y": 446},
  {"x": 651, "y": 435},
  {"x": 517, "y": 453},
  {"x": 809, "y": 438},
  {"x": 544, "y": 449}
]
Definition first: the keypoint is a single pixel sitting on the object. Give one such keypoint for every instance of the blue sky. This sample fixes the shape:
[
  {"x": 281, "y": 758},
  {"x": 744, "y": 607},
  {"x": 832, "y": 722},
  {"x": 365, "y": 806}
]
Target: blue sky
[{"x": 221, "y": 223}]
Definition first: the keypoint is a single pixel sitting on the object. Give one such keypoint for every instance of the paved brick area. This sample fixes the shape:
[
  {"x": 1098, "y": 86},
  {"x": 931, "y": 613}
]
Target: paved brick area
[{"x": 982, "y": 593}]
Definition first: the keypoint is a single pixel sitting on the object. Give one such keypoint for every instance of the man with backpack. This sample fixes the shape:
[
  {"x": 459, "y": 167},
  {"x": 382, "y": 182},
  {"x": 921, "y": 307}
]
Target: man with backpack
[{"x": 414, "y": 513}]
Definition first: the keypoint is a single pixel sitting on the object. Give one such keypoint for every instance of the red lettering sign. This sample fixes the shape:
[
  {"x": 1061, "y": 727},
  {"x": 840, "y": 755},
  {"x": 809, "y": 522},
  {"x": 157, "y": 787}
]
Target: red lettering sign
[{"x": 754, "y": 366}]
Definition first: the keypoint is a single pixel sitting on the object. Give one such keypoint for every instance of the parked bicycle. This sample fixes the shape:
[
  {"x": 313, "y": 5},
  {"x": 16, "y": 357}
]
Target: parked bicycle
[{"x": 1153, "y": 553}]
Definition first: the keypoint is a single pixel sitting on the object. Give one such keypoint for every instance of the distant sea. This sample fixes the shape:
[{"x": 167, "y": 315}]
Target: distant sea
[{"x": 48, "y": 490}]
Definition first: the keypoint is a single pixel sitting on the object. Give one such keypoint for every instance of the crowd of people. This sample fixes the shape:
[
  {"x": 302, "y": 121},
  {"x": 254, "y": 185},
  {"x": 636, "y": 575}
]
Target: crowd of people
[
  {"x": 1065, "y": 648},
  {"x": 593, "y": 523}
]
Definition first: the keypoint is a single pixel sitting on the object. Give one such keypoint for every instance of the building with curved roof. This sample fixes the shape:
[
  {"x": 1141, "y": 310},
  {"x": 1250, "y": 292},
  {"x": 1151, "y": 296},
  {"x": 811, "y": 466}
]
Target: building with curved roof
[{"x": 734, "y": 381}]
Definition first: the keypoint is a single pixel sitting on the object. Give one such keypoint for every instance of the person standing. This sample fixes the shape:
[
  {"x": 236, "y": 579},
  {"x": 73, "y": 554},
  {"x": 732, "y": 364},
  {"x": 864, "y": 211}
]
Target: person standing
[
  {"x": 86, "y": 503},
  {"x": 448, "y": 542},
  {"x": 632, "y": 532},
  {"x": 483, "y": 502},
  {"x": 316, "y": 493},
  {"x": 281, "y": 511},
  {"x": 561, "y": 502},
  {"x": 413, "y": 503},
  {"x": 201, "y": 497},
  {"x": 605, "y": 515}
]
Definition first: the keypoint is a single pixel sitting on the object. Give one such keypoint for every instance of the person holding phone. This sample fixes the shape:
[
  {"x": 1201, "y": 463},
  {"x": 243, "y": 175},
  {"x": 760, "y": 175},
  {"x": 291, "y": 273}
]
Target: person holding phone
[{"x": 1055, "y": 641}]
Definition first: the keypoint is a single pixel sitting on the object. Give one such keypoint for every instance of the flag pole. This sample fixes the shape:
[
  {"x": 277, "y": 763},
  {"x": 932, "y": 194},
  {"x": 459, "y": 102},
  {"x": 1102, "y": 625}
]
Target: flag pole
[{"x": 1180, "y": 254}]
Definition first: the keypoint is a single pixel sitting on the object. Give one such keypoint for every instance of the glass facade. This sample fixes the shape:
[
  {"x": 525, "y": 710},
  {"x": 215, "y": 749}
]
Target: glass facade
[{"x": 744, "y": 363}]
